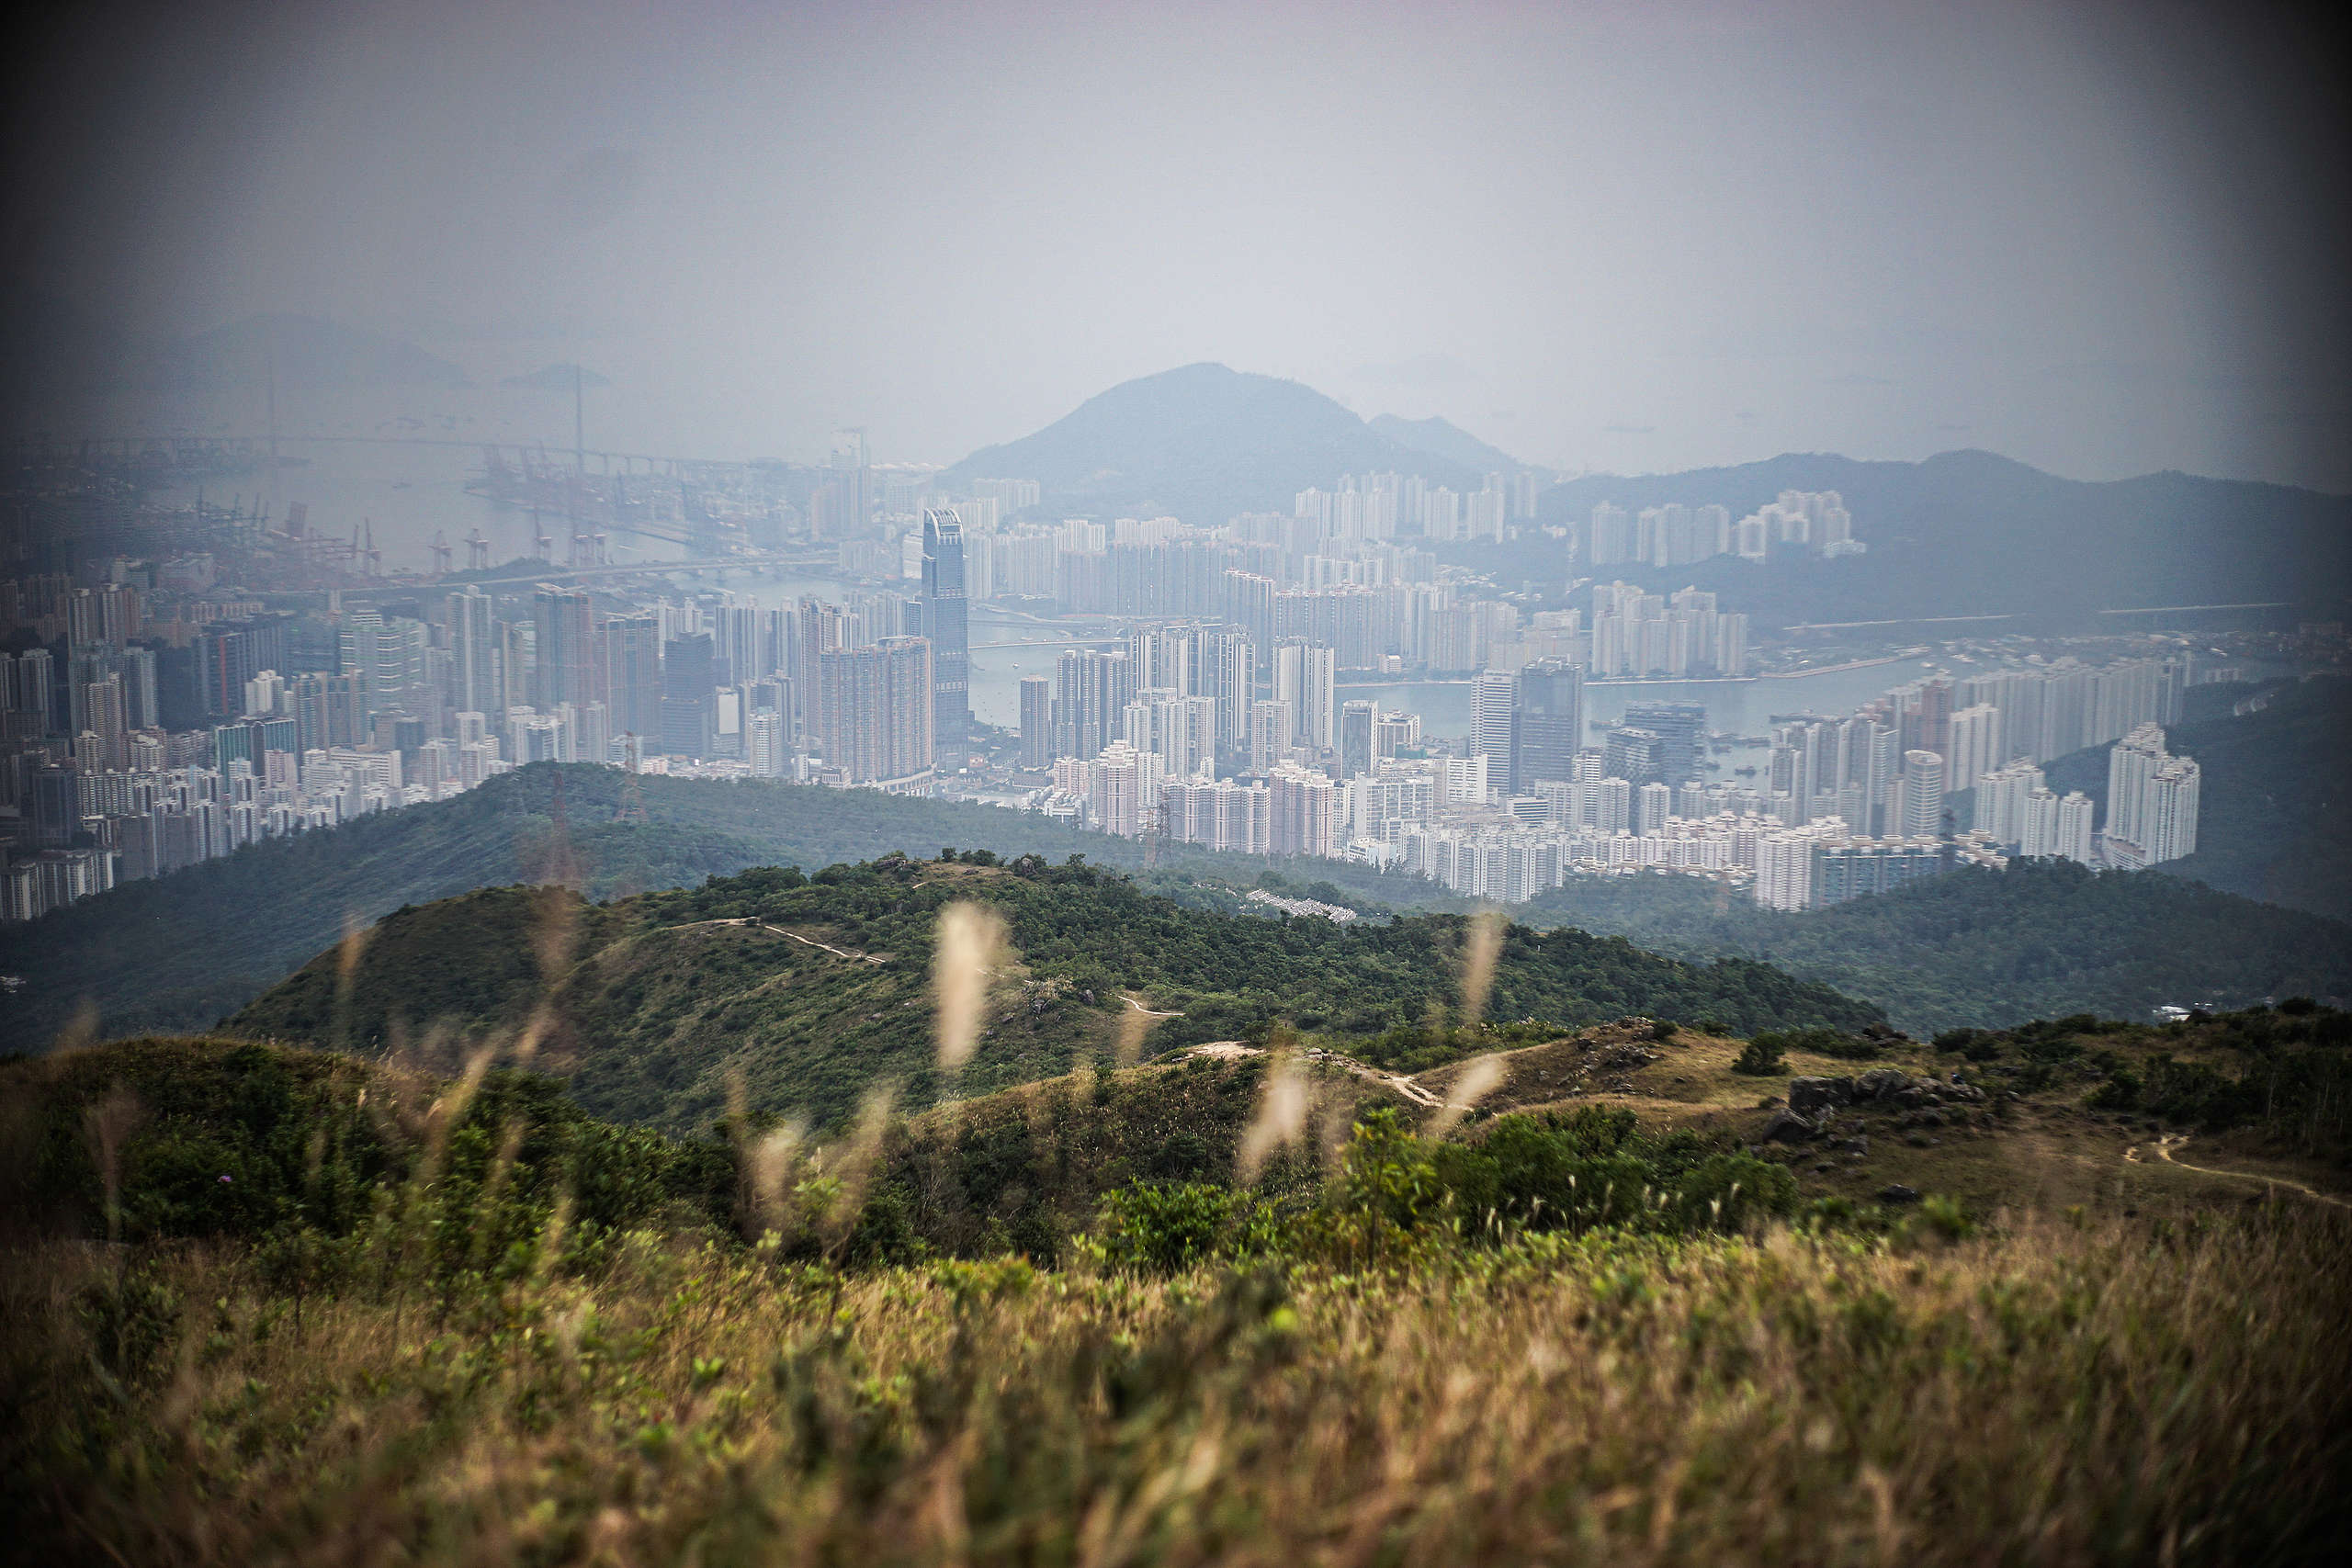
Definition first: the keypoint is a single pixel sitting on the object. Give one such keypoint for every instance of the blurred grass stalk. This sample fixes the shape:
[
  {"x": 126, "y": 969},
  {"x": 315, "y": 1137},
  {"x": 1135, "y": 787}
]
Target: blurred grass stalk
[{"x": 2060, "y": 1392}]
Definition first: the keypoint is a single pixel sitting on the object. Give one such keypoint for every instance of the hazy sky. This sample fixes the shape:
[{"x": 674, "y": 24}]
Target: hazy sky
[{"x": 2101, "y": 240}]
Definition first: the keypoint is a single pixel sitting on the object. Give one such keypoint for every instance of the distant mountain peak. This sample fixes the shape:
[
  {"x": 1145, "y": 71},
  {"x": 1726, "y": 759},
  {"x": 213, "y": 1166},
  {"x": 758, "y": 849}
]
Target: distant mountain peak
[{"x": 1203, "y": 441}]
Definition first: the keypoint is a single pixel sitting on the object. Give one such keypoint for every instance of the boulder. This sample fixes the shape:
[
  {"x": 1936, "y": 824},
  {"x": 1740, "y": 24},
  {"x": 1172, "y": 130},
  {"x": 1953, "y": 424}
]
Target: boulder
[
  {"x": 1788, "y": 1127},
  {"x": 1895, "y": 1192},
  {"x": 1881, "y": 1082},
  {"x": 1809, "y": 1096}
]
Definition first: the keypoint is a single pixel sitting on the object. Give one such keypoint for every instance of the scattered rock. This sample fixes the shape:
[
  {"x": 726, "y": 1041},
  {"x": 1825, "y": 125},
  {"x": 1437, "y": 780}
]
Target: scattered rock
[
  {"x": 1895, "y": 1192},
  {"x": 1807, "y": 1096}
]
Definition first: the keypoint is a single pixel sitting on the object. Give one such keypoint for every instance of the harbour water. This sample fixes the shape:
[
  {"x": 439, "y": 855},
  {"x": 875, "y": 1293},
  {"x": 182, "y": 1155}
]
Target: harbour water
[{"x": 408, "y": 493}]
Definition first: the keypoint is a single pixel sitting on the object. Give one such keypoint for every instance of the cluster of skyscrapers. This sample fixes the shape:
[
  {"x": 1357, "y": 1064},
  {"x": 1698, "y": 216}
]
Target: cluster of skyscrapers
[
  {"x": 134, "y": 742},
  {"x": 1797, "y": 521}
]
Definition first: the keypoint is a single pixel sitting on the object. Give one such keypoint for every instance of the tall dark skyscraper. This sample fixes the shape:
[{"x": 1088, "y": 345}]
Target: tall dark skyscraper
[
  {"x": 566, "y": 624},
  {"x": 1359, "y": 721},
  {"x": 1036, "y": 721},
  {"x": 944, "y": 623},
  {"x": 633, "y": 678},
  {"x": 1682, "y": 729},
  {"x": 689, "y": 697},
  {"x": 1546, "y": 723}
]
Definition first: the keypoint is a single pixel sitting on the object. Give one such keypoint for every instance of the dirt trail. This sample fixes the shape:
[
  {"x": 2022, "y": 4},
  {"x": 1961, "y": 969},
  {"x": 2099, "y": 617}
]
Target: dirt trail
[
  {"x": 779, "y": 930},
  {"x": 2163, "y": 1152},
  {"x": 1233, "y": 1050}
]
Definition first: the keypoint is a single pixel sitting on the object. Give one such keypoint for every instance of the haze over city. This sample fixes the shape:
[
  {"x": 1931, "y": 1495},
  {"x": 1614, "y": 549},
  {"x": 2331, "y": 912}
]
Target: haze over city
[
  {"x": 2101, "y": 240},
  {"x": 1270, "y": 785}
]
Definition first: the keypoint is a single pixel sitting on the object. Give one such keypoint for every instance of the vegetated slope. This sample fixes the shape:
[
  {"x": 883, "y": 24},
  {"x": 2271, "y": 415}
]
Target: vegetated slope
[
  {"x": 1946, "y": 536},
  {"x": 657, "y": 1006},
  {"x": 1443, "y": 438},
  {"x": 1991, "y": 949},
  {"x": 1201, "y": 443},
  {"x": 184, "y": 951},
  {"x": 179, "y": 951},
  {"x": 342, "y": 1353},
  {"x": 2274, "y": 802}
]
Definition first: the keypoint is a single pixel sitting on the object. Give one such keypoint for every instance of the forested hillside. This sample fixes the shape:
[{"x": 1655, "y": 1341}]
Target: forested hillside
[
  {"x": 181, "y": 951},
  {"x": 810, "y": 991},
  {"x": 2274, "y": 811},
  {"x": 186, "y": 950},
  {"x": 1945, "y": 537},
  {"x": 1991, "y": 949}
]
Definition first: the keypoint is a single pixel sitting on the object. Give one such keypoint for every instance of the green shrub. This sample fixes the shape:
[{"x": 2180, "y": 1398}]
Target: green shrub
[
  {"x": 1762, "y": 1057},
  {"x": 1165, "y": 1227}
]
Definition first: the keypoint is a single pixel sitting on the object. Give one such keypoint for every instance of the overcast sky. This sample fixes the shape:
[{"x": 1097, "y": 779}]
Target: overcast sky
[{"x": 1618, "y": 236}]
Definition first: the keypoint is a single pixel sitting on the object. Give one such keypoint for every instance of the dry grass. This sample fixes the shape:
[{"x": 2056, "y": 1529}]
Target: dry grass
[{"x": 2106, "y": 1393}]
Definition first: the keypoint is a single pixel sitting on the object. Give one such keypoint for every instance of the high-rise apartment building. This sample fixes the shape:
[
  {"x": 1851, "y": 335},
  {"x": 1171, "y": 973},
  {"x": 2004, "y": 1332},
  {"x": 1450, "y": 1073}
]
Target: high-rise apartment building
[
  {"x": 1301, "y": 808},
  {"x": 875, "y": 722},
  {"x": 766, "y": 746},
  {"x": 1492, "y": 695},
  {"x": 1091, "y": 690},
  {"x": 1923, "y": 794},
  {"x": 2152, "y": 802},
  {"x": 1220, "y": 814},
  {"x": 566, "y": 620},
  {"x": 1307, "y": 677},
  {"x": 1975, "y": 746},
  {"x": 473, "y": 656},
  {"x": 1270, "y": 728},
  {"x": 2003, "y": 801}
]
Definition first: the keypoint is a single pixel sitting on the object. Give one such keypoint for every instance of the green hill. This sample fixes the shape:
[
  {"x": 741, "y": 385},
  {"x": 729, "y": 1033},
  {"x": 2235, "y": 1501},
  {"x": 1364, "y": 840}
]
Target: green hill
[
  {"x": 2273, "y": 814},
  {"x": 805, "y": 993},
  {"x": 1992, "y": 949},
  {"x": 1945, "y": 537},
  {"x": 179, "y": 951}
]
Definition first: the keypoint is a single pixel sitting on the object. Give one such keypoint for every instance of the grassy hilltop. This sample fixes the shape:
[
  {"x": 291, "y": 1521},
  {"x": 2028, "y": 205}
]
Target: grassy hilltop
[
  {"x": 804, "y": 992},
  {"x": 1607, "y": 1313}
]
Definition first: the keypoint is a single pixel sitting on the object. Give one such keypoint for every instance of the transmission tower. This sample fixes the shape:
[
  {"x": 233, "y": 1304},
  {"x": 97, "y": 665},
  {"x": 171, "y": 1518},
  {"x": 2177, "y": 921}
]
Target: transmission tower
[
  {"x": 1155, "y": 825},
  {"x": 632, "y": 793}
]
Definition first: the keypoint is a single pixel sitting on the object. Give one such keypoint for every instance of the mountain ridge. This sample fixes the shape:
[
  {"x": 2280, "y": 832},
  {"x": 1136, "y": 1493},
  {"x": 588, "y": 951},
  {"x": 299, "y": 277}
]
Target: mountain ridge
[
  {"x": 1202, "y": 442},
  {"x": 1443, "y": 438},
  {"x": 1943, "y": 535}
]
